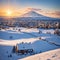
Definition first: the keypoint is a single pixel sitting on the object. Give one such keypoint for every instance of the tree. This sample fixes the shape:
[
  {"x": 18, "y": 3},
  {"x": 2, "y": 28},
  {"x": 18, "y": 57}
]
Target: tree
[
  {"x": 13, "y": 49},
  {"x": 16, "y": 49}
]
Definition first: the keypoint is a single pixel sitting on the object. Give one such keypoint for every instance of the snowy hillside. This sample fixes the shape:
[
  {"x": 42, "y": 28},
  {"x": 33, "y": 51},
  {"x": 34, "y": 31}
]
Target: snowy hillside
[
  {"x": 50, "y": 55},
  {"x": 39, "y": 40}
]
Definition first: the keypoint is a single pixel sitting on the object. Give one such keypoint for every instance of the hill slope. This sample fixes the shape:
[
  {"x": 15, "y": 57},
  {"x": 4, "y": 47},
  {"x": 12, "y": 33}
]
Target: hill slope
[{"x": 50, "y": 55}]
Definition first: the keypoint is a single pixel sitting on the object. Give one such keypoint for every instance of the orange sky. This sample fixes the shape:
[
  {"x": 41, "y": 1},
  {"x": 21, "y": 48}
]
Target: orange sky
[{"x": 17, "y": 12}]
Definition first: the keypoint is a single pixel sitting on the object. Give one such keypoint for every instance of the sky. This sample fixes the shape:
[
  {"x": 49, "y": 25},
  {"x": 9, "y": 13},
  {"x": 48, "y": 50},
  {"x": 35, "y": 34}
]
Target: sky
[
  {"x": 44, "y": 4},
  {"x": 7, "y": 7}
]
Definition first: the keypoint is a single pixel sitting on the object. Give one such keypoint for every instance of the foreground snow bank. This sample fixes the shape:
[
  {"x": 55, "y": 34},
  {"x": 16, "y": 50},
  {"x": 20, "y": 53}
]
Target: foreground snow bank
[
  {"x": 40, "y": 40},
  {"x": 50, "y": 55}
]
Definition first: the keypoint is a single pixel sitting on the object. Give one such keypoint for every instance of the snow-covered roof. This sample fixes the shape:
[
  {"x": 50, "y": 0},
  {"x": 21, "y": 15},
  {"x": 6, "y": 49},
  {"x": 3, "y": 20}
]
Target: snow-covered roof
[{"x": 23, "y": 46}]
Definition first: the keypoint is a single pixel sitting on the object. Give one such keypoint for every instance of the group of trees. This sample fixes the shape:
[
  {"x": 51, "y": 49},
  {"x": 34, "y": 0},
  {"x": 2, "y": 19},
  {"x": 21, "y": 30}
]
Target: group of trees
[
  {"x": 57, "y": 31},
  {"x": 34, "y": 24}
]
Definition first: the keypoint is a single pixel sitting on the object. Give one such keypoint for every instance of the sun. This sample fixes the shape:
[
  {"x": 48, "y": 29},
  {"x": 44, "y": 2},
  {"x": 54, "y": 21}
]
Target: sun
[{"x": 8, "y": 12}]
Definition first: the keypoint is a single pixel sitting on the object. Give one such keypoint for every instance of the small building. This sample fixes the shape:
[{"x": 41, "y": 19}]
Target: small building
[{"x": 24, "y": 48}]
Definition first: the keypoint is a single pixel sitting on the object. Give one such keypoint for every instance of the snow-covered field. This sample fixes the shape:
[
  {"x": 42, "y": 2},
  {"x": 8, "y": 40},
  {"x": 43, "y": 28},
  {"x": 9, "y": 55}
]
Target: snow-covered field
[
  {"x": 25, "y": 38},
  {"x": 50, "y": 55}
]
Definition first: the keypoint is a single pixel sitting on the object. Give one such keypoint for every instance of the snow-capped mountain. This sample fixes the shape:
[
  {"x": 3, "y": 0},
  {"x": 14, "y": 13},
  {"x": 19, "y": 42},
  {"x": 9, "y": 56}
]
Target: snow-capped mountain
[
  {"x": 35, "y": 14},
  {"x": 32, "y": 14},
  {"x": 52, "y": 14}
]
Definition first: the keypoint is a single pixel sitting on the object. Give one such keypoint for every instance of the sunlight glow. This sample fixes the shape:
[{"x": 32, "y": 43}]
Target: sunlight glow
[{"x": 9, "y": 12}]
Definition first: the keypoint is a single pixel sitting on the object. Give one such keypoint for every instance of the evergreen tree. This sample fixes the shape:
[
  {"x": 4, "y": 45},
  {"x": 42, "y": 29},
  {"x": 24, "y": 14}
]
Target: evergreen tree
[{"x": 13, "y": 49}]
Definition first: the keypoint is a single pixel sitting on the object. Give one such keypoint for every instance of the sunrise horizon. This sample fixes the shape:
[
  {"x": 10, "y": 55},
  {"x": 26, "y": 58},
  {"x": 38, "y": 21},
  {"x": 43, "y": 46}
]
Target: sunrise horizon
[{"x": 18, "y": 7}]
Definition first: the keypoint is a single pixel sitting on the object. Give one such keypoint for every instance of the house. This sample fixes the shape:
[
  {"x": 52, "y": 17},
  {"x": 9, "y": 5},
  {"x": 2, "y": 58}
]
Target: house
[{"x": 23, "y": 48}]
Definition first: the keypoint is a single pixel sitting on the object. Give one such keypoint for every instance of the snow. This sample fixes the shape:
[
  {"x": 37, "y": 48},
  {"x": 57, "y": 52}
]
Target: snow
[
  {"x": 50, "y": 55},
  {"x": 32, "y": 14},
  {"x": 31, "y": 38}
]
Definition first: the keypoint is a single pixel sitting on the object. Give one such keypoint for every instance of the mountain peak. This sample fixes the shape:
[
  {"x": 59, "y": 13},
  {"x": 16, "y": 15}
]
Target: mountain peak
[{"x": 32, "y": 14}]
